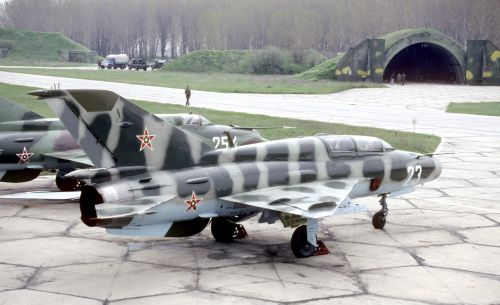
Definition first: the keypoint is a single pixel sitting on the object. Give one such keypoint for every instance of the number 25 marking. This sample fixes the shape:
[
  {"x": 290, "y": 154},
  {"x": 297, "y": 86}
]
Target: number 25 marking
[
  {"x": 223, "y": 142},
  {"x": 411, "y": 170}
]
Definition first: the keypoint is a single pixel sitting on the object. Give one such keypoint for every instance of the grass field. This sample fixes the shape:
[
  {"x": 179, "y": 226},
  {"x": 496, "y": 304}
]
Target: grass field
[
  {"x": 214, "y": 82},
  {"x": 35, "y": 48},
  {"x": 483, "y": 108},
  {"x": 403, "y": 140}
]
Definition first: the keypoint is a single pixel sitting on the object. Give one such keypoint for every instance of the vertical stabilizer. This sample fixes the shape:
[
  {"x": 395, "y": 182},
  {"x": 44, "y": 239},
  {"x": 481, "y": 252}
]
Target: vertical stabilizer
[{"x": 115, "y": 132}]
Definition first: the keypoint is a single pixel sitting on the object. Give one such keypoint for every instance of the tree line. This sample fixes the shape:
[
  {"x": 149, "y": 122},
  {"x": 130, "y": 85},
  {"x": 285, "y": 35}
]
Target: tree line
[{"x": 171, "y": 28}]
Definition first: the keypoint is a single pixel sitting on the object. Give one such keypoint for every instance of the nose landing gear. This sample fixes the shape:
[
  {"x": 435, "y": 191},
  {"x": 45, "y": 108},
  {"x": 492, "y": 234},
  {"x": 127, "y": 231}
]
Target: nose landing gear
[{"x": 378, "y": 219}]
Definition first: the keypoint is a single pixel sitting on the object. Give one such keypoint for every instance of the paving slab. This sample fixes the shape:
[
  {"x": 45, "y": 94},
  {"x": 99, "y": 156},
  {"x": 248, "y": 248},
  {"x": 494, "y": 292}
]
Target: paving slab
[
  {"x": 24, "y": 227},
  {"x": 193, "y": 297},
  {"x": 30, "y": 297},
  {"x": 56, "y": 251},
  {"x": 364, "y": 257},
  {"x": 475, "y": 258},
  {"x": 434, "y": 285},
  {"x": 14, "y": 277},
  {"x": 427, "y": 238},
  {"x": 484, "y": 236},
  {"x": 365, "y": 300}
]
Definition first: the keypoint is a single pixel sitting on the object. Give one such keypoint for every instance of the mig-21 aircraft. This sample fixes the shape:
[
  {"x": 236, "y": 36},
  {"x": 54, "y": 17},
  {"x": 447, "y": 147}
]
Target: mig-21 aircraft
[
  {"x": 30, "y": 143},
  {"x": 155, "y": 179}
]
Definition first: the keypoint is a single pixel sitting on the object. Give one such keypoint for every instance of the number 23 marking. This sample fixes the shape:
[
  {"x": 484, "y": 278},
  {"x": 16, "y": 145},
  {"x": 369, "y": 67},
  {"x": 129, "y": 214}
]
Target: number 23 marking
[{"x": 411, "y": 170}]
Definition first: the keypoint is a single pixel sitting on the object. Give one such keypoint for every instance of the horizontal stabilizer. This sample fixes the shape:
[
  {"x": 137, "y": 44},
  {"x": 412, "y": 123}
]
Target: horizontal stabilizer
[
  {"x": 75, "y": 155},
  {"x": 122, "y": 213},
  {"x": 12, "y": 111},
  {"x": 127, "y": 208}
]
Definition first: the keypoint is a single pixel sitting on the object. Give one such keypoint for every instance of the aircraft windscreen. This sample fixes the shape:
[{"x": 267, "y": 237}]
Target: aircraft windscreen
[
  {"x": 186, "y": 119},
  {"x": 371, "y": 144},
  {"x": 340, "y": 144},
  {"x": 194, "y": 119}
]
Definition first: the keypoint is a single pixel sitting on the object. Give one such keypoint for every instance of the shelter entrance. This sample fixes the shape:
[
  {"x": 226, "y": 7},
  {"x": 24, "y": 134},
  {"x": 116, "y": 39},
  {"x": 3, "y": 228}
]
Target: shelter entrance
[{"x": 425, "y": 62}]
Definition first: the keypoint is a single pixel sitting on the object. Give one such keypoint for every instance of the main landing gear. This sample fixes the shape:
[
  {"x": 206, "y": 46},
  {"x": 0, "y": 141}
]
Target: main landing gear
[
  {"x": 226, "y": 231},
  {"x": 378, "y": 219},
  {"x": 304, "y": 243}
]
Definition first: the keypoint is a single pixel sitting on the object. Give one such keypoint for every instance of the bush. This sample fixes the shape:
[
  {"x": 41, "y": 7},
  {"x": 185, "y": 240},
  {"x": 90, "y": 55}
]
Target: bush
[
  {"x": 279, "y": 61},
  {"x": 272, "y": 61},
  {"x": 312, "y": 58},
  {"x": 6, "y": 44},
  {"x": 206, "y": 61}
]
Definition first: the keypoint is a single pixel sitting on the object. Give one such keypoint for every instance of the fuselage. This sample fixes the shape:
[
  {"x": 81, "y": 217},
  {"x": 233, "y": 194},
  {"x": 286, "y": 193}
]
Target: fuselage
[{"x": 220, "y": 173}]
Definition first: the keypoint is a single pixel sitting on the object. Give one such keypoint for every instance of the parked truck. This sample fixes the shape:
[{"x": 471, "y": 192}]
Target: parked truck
[
  {"x": 115, "y": 61},
  {"x": 138, "y": 64}
]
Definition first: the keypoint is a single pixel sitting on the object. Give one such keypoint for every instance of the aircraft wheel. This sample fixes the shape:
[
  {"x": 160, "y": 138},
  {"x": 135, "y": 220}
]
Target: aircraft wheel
[
  {"x": 67, "y": 184},
  {"x": 223, "y": 230},
  {"x": 378, "y": 220},
  {"x": 300, "y": 246}
]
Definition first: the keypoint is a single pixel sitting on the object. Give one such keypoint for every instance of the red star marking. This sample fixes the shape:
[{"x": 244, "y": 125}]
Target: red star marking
[
  {"x": 24, "y": 157},
  {"x": 146, "y": 140},
  {"x": 193, "y": 202}
]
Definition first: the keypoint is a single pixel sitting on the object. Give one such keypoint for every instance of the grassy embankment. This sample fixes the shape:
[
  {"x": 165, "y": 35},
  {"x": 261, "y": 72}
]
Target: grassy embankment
[
  {"x": 482, "y": 108},
  {"x": 402, "y": 140},
  {"x": 36, "y": 48},
  {"x": 233, "y": 71}
]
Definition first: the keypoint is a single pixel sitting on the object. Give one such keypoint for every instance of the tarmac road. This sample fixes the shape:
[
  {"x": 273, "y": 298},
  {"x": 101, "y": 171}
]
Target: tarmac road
[{"x": 441, "y": 244}]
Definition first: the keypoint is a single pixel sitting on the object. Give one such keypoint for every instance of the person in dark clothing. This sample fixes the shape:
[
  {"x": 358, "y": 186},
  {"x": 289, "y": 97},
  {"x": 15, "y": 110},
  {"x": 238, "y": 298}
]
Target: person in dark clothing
[{"x": 188, "y": 95}]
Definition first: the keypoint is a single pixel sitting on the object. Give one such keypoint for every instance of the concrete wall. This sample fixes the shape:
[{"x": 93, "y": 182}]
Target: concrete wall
[
  {"x": 483, "y": 63},
  {"x": 363, "y": 62}
]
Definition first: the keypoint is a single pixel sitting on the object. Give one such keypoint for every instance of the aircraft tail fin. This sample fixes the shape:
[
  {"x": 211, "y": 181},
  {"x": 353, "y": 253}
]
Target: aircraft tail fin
[
  {"x": 12, "y": 111},
  {"x": 114, "y": 132}
]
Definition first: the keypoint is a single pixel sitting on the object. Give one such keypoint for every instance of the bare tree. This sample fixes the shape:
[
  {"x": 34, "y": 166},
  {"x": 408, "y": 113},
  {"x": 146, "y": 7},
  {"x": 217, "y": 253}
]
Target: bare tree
[{"x": 174, "y": 27}]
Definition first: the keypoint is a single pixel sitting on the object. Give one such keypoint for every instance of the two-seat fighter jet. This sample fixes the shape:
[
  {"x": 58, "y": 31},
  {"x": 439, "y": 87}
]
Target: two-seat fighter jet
[
  {"x": 154, "y": 179},
  {"x": 30, "y": 143}
]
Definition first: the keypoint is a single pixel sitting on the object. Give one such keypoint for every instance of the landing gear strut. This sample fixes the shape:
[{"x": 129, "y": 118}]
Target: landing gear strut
[
  {"x": 226, "y": 231},
  {"x": 378, "y": 219},
  {"x": 304, "y": 243}
]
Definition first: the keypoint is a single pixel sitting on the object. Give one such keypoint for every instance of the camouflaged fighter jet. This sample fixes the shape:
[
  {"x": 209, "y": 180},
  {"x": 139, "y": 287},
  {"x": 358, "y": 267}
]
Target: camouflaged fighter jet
[
  {"x": 30, "y": 143},
  {"x": 155, "y": 179}
]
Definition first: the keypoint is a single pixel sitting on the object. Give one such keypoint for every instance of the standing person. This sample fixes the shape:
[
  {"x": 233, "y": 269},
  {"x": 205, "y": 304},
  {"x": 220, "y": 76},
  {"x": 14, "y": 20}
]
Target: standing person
[
  {"x": 403, "y": 79},
  {"x": 188, "y": 95},
  {"x": 392, "y": 79},
  {"x": 399, "y": 78}
]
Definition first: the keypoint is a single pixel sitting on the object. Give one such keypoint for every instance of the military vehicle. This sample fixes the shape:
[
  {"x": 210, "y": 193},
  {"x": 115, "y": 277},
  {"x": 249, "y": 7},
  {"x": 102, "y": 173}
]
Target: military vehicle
[
  {"x": 115, "y": 61},
  {"x": 158, "y": 64},
  {"x": 155, "y": 179},
  {"x": 30, "y": 143},
  {"x": 138, "y": 64}
]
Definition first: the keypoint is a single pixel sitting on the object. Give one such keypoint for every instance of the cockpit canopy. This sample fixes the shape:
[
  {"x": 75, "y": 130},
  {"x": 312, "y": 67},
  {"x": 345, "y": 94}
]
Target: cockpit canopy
[
  {"x": 186, "y": 119},
  {"x": 350, "y": 144}
]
